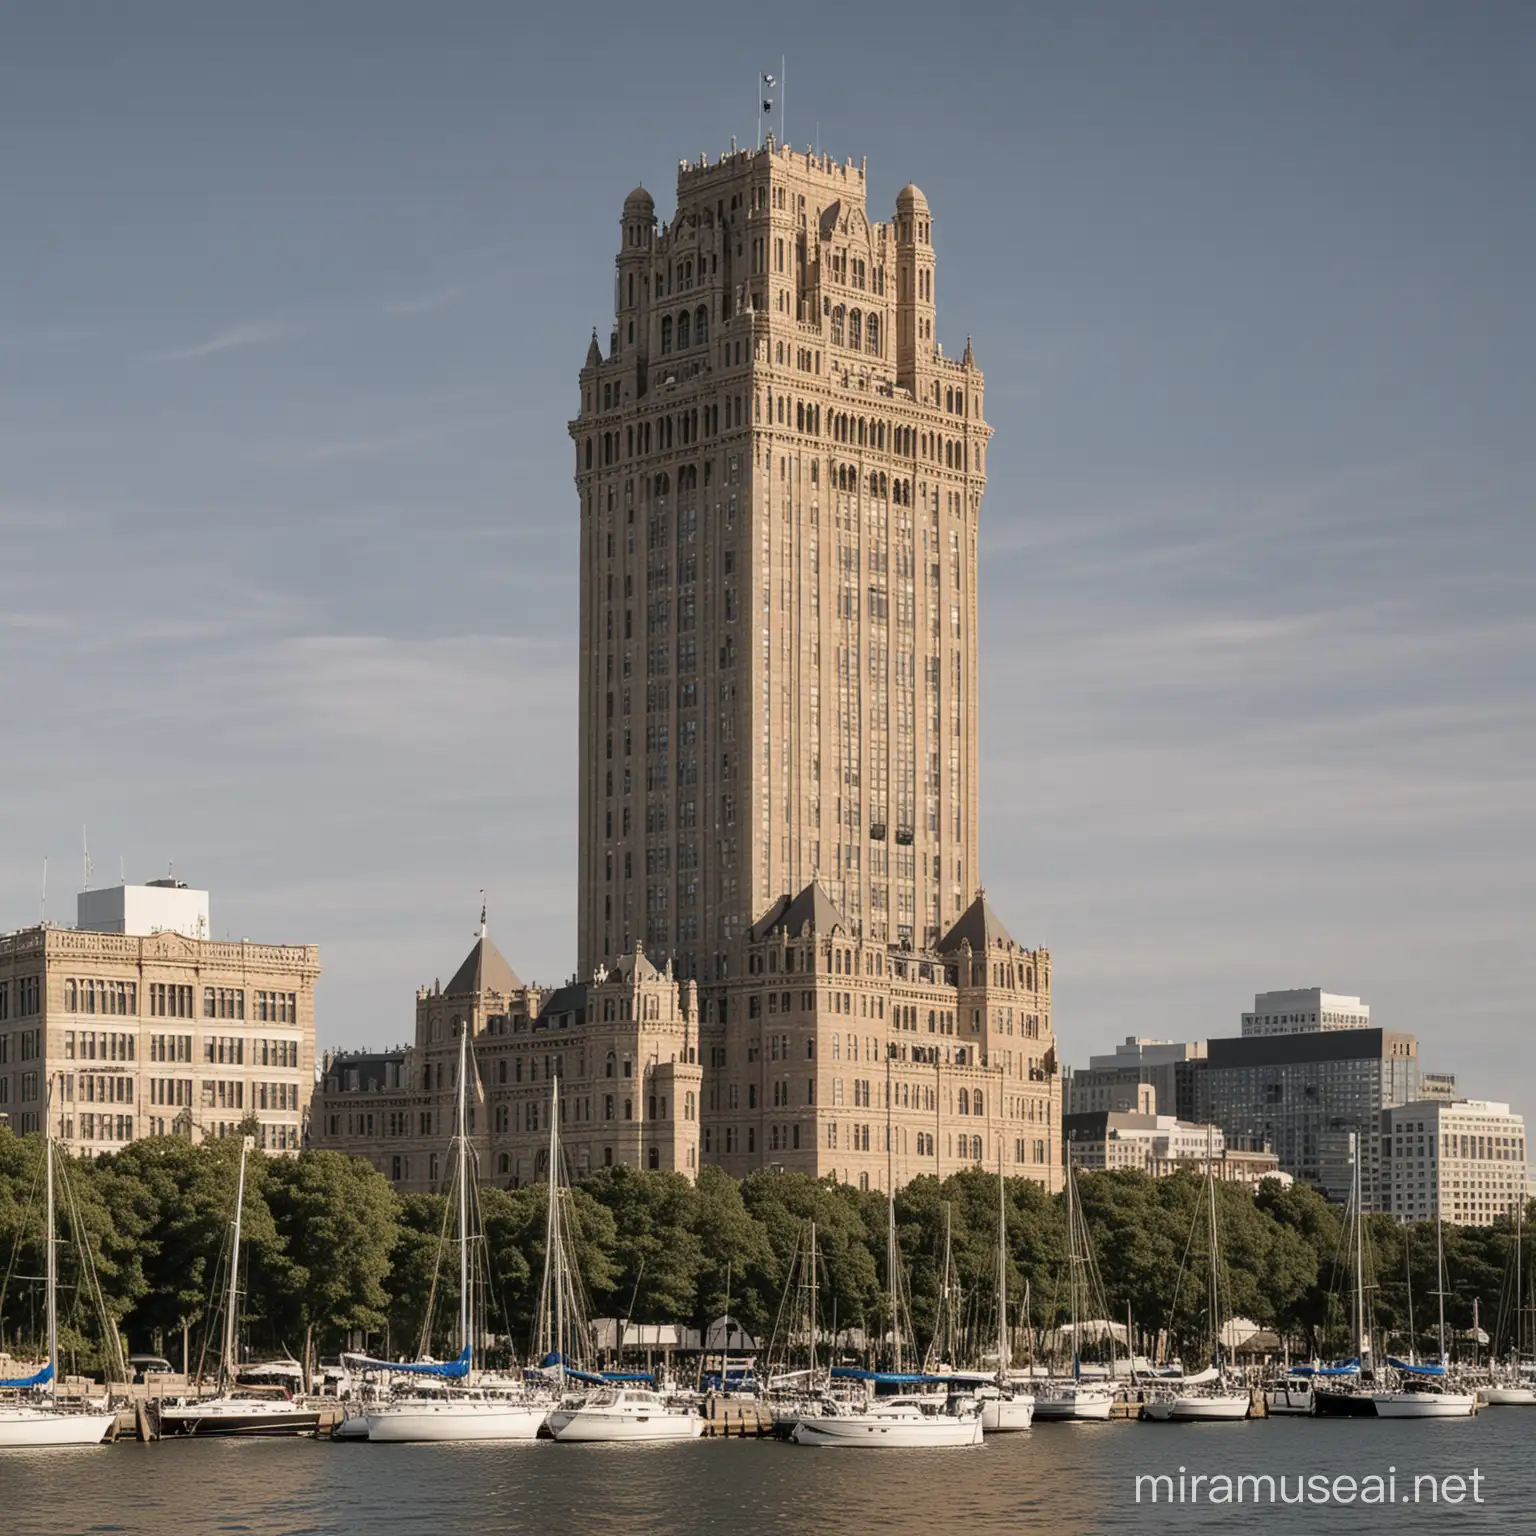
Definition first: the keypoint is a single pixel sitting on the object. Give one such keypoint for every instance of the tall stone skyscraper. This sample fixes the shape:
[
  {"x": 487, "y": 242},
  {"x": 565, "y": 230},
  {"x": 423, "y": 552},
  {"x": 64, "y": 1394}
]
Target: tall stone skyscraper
[
  {"x": 785, "y": 956},
  {"x": 780, "y": 477}
]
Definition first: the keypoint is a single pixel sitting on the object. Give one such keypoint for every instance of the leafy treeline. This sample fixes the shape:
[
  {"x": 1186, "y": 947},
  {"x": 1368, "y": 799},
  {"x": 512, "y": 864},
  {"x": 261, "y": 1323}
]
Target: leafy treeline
[{"x": 335, "y": 1253}]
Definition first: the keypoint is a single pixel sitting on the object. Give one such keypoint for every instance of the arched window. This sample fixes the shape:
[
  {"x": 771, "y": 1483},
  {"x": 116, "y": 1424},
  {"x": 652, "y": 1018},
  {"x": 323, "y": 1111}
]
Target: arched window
[
  {"x": 965, "y": 1101},
  {"x": 873, "y": 333},
  {"x": 504, "y": 1163},
  {"x": 837, "y": 326},
  {"x": 778, "y": 352},
  {"x": 682, "y": 332},
  {"x": 610, "y": 1064},
  {"x": 700, "y": 326},
  {"x": 666, "y": 334},
  {"x": 855, "y": 330},
  {"x": 977, "y": 1103},
  {"x": 629, "y": 1109},
  {"x": 653, "y": 1158},
  {"x": 71, "y": 997}
]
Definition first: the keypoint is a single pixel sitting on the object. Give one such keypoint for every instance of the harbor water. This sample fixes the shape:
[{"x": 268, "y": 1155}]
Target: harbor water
[{"x": 1061, "y": 1479}]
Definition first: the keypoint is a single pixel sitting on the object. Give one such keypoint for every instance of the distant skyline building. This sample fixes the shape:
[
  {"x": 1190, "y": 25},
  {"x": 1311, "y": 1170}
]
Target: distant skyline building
[
  {"x": 1303, "y": 1010},
  {"x": 1306, "y": 1093},
  {"x": 1463, "y": 1161},
  {"x": 1160, "y": 1145},
  {"x": 1172, "y": 1069}
]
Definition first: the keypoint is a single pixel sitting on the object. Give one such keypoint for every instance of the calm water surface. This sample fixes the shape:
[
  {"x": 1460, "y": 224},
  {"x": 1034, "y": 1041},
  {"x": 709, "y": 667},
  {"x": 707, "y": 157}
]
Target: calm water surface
[{"x": 1065, "y": 1480}]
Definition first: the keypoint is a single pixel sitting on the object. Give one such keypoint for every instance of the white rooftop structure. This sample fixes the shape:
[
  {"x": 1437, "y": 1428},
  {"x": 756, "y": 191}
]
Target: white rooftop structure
[
  {"x": 1303, "y": 1010},
  {"x": 160, "y": 906}
]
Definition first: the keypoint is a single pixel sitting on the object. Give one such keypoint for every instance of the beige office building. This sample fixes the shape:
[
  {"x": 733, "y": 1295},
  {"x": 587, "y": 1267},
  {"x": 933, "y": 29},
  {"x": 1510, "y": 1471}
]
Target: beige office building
[{"x": 138, "y": 1028}]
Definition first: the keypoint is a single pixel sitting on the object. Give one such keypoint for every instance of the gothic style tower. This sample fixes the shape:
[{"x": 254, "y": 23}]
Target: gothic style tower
[{"x": 780, "y": 477}]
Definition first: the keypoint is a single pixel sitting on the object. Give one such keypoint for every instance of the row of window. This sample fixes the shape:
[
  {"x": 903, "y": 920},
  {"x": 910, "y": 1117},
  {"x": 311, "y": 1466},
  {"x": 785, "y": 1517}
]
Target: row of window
[{"x": 22, "y": 996}]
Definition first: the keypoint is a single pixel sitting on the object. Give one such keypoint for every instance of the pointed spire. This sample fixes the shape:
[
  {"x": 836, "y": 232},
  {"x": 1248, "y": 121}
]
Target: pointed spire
[
  {"x": 969, "y": 357},
  {"x": 594, "y": 352}
]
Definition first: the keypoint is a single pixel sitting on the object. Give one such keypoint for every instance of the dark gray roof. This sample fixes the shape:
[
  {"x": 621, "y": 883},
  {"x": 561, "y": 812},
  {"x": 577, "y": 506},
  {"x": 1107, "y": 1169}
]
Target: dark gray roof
[
  {"x": 980, "y": 926},
  {"x": 571, "y": 998},
  {"x": 484, "y": 970},
  {"x": 811, "y": 907}
]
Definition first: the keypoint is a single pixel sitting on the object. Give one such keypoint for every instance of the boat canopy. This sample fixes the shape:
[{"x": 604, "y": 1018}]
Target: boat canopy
[
  {"x": 41, "y": 1379},
  {"x": 1416, "y": 1370},
  {"x": 1348, "y": 1368},
  {"x": 451, "y": 1369},
  {"x": 889, "y": 1378}
]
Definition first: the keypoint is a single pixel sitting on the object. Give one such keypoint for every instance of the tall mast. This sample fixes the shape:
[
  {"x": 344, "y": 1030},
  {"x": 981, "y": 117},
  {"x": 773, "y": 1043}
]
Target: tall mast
[
  {"x": 813, "y": 1298},
  {"x": 51, "y": 1267},
  {"x": 1440, "y": 1279},
  {"x": 464, "y": 1308},
  {"x": 1408, "y": 1282},
  {"x": 1002, "y": 1272},
  {"x": 1214, "y": 1294},
  {"x": 554, "y": 1258},
  {"x": 890, "y": 1225},
  {"x": 1362, "y": 1344},
  {"x": 232, "y": 1311},
  {"x": 1077, "y": 1365}
]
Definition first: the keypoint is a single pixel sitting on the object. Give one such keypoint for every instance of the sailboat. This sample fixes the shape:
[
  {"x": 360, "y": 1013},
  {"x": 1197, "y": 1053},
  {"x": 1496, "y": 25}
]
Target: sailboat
[
  {"x": 794, "y": 1384},
  {"x": 455, "y": 1413},
  {"x": 1344, "y": 1391},
  {"x": 1212, "y": 1398},
  {"x": 1071, "y": 1397},
  {"x": 606, "y": 1411},
  {"x": 1513, "y": 1384},
  {"x": 1422, "y": 1391},
  {"x": 44, "y": 1420},
  {"x": 902, "y": 1422},
  {"x": 1005, "y": 1407},
  {"x": 233, "y": 1412}
]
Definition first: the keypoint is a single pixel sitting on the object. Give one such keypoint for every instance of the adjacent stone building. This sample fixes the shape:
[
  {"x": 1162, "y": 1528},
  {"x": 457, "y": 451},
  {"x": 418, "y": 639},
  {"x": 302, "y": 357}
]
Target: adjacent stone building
[
  {"x": 149, "y": 1030},
  {"x": 616, "y": 1058}
]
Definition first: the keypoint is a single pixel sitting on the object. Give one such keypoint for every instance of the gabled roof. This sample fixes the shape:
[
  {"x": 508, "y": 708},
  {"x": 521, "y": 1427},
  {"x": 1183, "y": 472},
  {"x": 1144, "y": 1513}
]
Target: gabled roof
[
  {"x": 979, "y": 926},
  {"x": 790, "y": 915},
  {"x": 633, "y": 967},
  {"x": 484, "y": 970}
]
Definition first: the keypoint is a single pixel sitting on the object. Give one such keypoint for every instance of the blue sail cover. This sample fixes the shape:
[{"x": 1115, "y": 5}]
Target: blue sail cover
[
  {"x": 1349, "y": 1368},
  {"x": 889, "y": 1378},
  {"x": 453, "y": 1370},
  {"x": 1416, "y": 1370},
  {"x": 42, "y": 1379}
]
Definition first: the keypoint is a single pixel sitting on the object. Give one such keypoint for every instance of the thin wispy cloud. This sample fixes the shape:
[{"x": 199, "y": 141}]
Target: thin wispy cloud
[
  {"x": 252, "y": 334},
  {"x": 423, "y": 303}
]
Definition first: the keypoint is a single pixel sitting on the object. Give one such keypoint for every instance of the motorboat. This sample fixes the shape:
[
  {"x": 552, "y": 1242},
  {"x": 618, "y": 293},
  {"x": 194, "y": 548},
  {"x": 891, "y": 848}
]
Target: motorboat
[
  {"x": 891, "y": 1423},
  {"x": 624, "y": 1413},
  {"x": 1292, "y": 1394},
  {"x": 1496, "y": 1394}
]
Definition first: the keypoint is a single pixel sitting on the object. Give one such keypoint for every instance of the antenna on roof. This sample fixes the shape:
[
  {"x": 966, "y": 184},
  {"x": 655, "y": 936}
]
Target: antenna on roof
[
  {"x": 43, "y": 917},
  {"x": 85, "y": 859}
]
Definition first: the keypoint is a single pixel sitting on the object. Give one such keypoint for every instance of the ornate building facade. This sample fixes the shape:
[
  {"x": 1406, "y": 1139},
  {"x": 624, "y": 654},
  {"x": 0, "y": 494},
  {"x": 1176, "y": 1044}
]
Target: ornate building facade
[{"x": 780, "y": 478}]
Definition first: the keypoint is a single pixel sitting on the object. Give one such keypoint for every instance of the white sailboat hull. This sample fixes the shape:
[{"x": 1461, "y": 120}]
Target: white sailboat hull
[
  {"x": 1219, "y": 1406},
  {"x": 1006, "y": 1415},
  {"x": 1508, "y": 1397},
  {"x": 1081, "y": 1402},
  {"x": 1424, "y": 1405},
  {"x": 872, "y": 1431},
  {"x": 455, "y": 1421},
  {"x": 598, "y": 1425},
  {"x": 26, "y": 1426}
]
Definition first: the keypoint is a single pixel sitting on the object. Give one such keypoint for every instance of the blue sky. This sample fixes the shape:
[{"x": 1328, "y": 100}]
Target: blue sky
[{"x": 292, "y": 300}]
